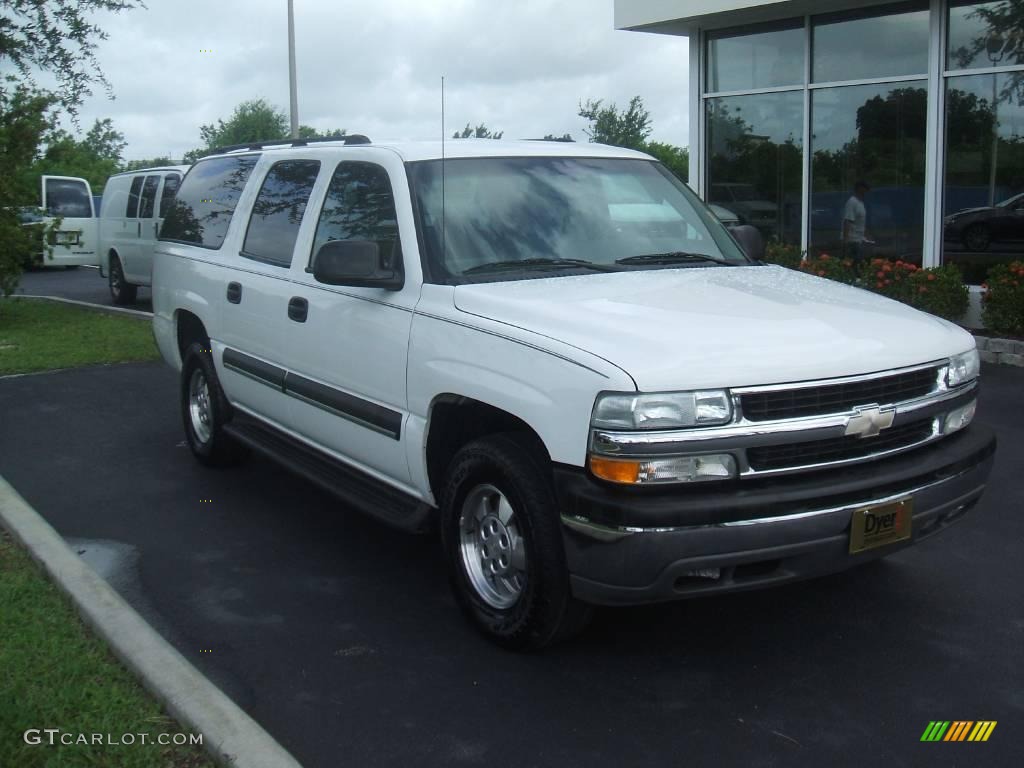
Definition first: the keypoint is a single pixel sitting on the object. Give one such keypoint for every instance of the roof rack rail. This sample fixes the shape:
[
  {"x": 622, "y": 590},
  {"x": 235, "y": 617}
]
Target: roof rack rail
[{"x": 349, "y": 138}]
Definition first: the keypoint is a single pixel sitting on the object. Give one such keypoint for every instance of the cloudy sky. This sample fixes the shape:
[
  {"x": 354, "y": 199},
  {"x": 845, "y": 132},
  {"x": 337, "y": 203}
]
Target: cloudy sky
[{"x": 375, "y": 67}]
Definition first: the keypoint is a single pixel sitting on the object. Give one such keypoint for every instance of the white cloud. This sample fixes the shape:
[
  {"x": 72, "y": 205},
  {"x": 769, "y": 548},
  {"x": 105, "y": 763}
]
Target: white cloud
[{"x": 521, "y": 67}]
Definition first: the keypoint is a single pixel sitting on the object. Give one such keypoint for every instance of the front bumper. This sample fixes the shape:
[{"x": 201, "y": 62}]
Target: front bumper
[{"x": 626, "y": 547}]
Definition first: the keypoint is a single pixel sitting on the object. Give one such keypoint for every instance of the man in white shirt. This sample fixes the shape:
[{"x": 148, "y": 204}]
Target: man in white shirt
[{"x": 855, "y": 217}]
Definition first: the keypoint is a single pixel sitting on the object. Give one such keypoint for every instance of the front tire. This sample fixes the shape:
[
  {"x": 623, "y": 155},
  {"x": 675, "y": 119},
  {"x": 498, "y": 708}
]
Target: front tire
[
  {"x": 121, "y": 291},
  {"x": 501, "y": 533},
  {"x": 977, "y": 238},
  {"x": 205, "y": 410}
]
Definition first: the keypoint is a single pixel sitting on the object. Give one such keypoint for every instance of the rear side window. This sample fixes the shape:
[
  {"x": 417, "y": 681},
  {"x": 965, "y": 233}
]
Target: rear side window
[
  {"x": 148, "y": 202},
  {"x": 202, "y": 210},
  {"x": 132, "y": 211},
  {"x": 171, "y": 183},
  {"x": 278, "y": 210},
  {"x": 67, "y": 198},
  {"x": 359, "y": 206}
]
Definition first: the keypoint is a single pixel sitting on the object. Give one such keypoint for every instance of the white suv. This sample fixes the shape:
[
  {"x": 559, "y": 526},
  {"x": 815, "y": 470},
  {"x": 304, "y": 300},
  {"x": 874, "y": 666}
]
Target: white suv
[{"x": 558, "y": 355}]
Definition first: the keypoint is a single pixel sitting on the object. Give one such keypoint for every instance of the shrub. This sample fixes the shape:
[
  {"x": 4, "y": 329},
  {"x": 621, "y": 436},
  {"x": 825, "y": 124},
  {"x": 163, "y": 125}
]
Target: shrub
[
  {"x": 778, "y": 252},
  {"x": 1003, "y": 300},
  {"x": 825, "y": 265},
  {"x": 939, "y": 290}
]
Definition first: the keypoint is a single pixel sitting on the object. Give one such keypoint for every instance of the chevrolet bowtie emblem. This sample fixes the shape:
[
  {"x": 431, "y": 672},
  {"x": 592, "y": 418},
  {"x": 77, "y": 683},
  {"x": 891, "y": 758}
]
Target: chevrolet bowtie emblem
[{"x": 870, "y": 421}]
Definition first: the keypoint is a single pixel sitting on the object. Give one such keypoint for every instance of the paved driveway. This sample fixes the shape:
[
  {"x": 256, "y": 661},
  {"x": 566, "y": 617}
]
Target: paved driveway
[
  {"x": 340, "y": 637},
  {"x": 82, "y": 284}
]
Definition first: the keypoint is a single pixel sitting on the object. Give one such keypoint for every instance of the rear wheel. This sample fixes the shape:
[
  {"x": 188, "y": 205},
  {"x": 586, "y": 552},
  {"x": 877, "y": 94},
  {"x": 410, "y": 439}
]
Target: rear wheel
[
  {"x": 205, "y": 410},
  {"x": 977, "y": 238},
  {"x": 502, "y": 538},
  {"x": 121, "y": 291}
]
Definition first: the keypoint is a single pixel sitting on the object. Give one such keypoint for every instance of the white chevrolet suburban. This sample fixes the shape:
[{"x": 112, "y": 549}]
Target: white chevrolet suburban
[{"x": 558, "y": 356}]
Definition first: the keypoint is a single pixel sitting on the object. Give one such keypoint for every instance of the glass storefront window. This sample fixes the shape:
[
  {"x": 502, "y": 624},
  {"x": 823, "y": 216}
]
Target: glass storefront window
[
  {"x": 983, "y": 205},
  {"x": 860, "y": 47},
  {"x": 985, "y": 34},
  {"x": 874, "y": 134},
  {"x": 755, "y": 156},
  {"x": 765, "y": 59}
]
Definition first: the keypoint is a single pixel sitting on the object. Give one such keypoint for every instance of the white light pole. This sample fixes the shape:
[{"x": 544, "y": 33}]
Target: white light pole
[{"x": 291, "y": 70}]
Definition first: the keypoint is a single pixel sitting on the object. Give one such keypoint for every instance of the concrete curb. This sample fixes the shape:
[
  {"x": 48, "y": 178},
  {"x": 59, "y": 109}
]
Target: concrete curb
[
  {"x": 87, "y": 304},
  {"x": 1000, "y": 351},
  {"x": 229, "y": 735}
]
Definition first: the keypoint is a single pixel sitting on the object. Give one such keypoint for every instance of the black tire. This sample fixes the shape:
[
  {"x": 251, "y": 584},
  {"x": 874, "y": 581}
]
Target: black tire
[
  {"x": 208, "y": 441},
  {"x": 544, "y": 612},
  {"x": 121, "y": 291},
  {"x": 977, "y": 238}
]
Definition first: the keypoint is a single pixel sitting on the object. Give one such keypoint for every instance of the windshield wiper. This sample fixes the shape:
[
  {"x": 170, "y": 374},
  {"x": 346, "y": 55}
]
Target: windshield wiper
[
  {"x": 497, "y": 266},
  {"x": 672, "y": 257}
]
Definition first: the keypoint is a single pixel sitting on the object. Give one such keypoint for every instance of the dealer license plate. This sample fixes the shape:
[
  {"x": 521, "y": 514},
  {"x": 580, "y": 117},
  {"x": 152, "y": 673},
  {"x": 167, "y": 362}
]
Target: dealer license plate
[{"x": 880, "y": 525}]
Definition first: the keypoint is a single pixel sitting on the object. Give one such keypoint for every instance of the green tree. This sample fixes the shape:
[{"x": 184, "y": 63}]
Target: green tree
[
  {"x": 308, "y": 132},
  {"x": 480, "y": 132},
  {"x": 676, "y": 159},
  {"x": 564, "y": 137},
  {"x": 628, "y": 128},
  {"x": 155, "y": 162},
  {"x": 252, "y": 121},
  {"x": 95, "y": 157},
  {"x": 56, "y": 37}
]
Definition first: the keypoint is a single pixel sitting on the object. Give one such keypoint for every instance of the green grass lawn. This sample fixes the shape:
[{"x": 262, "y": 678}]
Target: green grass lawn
[
  {"x": 38, "y": 335},
  {"x": 55, "y": 674}
]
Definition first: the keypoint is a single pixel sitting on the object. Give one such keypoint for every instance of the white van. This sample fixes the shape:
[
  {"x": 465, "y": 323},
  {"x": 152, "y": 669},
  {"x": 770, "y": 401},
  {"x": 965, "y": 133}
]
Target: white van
[
  {"x": 70, "y": 199},
  {"x": 134, "y": 205}
]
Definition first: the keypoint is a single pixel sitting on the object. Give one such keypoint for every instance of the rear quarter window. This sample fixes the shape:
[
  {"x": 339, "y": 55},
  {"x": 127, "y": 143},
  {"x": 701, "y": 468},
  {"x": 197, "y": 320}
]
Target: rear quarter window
[{"x": 201, "y": 212}]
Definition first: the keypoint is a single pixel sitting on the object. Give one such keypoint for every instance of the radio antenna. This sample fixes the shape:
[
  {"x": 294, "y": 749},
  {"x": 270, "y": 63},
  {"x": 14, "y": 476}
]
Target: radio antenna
[{"x": 444, "y": 234}]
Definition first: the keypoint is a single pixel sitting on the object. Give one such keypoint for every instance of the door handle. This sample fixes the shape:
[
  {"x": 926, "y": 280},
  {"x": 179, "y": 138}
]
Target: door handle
[
  {"x": 138, "y": 230},
  {"x": 298, "y": 309},
  {"x": 156, "y": 229},
  {"x": 235, "y": 293}
]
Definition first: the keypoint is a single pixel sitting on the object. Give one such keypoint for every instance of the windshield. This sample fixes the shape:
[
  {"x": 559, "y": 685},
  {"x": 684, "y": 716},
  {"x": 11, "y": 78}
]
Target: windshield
[{"x": 518, "y": 217}]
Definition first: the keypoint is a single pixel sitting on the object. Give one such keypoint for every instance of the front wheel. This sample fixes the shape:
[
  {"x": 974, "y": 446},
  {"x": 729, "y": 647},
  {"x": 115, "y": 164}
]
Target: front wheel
[
  {"x": 121, "y": 291},
  {"x": 205, "y": 410},
  {"x": 501, "y": 533},
  {"x": 977, "y": 238}
]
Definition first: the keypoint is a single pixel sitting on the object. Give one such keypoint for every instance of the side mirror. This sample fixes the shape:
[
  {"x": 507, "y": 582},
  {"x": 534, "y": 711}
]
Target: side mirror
[
  {"x": 355, "y": 263},
  {"x": 750, "y": 240}
]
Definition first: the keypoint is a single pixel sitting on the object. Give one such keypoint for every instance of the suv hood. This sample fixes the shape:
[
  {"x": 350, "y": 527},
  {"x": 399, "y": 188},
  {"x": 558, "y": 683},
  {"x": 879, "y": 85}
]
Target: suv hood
[{"x": 719, "y": 326}]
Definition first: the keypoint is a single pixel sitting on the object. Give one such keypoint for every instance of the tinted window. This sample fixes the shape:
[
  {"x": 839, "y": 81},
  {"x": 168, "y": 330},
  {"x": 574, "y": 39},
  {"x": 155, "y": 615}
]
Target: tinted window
[
  {"x": 67, "y": 198},
  {"x": 132, "y": 211},
  {"x": 277, "y": 212},
  {"x": 739, "y": 62},
  {"x": 359, "y": 206},
  {"x": 148, "y": 202},
  {"x": 755, "y": 160},
  {"x": 171, "y": 183},
  {"x": 202, "y": 210},
  {"x": 591, "y": 213},
  {"x": 985, "y": 34},
  {"x": 860, "y": 47}
]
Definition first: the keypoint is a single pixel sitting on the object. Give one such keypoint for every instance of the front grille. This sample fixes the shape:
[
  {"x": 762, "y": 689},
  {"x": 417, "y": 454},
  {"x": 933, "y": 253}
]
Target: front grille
[
  {"x": 837, "y": 449},
  {"x": 837, "y": 398}
]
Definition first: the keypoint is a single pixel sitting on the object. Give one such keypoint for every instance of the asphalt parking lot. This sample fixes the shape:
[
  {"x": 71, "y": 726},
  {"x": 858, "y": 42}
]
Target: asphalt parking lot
[
  {"x": 82, "y": 284},
  {"x": 340, "y": 637}
]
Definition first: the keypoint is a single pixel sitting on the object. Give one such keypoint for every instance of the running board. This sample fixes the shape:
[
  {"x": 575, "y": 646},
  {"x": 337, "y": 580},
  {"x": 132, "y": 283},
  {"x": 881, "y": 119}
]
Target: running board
[{"x": 365, "y": 493}]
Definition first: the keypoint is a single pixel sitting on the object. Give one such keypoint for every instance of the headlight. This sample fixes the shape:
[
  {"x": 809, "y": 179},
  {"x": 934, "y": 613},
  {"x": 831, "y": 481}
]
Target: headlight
[
  {"x": 963, "y": 368},
  {"x": 667, "y": 410}
]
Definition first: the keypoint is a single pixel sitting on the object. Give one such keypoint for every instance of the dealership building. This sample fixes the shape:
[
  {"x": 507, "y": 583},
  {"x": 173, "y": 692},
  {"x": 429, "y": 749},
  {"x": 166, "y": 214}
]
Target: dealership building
[{"x": 792, "y": 103}]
